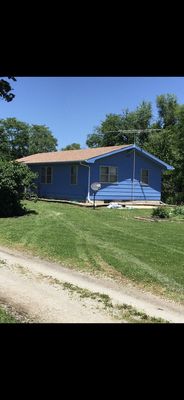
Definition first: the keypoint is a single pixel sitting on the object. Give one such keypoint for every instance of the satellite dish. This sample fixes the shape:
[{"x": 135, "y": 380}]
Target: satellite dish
[{"x": 96, "y": 186}]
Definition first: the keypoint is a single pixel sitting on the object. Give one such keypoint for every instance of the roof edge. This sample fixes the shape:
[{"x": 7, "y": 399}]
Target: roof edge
[
  {"x": 93, "y": 159},
  {"x": 154, "y": 158},
  {"x": 131, "y": 147}
]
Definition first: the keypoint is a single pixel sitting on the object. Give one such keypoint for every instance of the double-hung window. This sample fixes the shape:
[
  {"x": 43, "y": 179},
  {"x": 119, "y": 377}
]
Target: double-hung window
[
  {"x": 46, "y": 175},
  {"x": 108, "y": 174},
  {"x": 144, "y": 176}
]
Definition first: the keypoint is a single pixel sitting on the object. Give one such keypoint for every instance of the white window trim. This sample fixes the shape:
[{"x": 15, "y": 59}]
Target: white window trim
[
  {"x": 142, "y": 183},
  {"x": 108, "y": 166},
  {"x": 46, "y": 183},
  {"x": 77, "y": 167}
]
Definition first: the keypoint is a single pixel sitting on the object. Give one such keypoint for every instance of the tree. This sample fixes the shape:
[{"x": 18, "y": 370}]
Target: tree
[
  {"x": 5, "y": 89},
  {"x": 4, "y": 144},
  {"x": 167, "y": 109},
  {"x": 178, "y": 151},
  {"x": 14, "y": 138},
  {"x": 109, "y": 133},
  {"x": 15, "y": 178},
  {"x": 161, "y": 145},
  {"x": 73, "y": 146},
  {"x": 41, "y": 140},
  {"x": 19, "y": 139},
  {"x": 95, "y": 139}
]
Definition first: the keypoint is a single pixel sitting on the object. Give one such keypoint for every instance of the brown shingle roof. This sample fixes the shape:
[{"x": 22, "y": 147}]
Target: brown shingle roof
[{"x": 68, "y": 155}]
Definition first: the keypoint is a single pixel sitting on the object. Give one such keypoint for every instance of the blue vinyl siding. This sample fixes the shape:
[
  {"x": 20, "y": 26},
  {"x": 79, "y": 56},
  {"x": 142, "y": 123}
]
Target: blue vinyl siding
[
  {"x": 123, "y": 189},
  {"x": 61, "y": 187}
]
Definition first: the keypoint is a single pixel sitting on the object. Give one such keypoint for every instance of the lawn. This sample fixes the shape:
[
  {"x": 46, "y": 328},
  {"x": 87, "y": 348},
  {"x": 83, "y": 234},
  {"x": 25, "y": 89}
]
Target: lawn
[{"x": 150, "y": 254}]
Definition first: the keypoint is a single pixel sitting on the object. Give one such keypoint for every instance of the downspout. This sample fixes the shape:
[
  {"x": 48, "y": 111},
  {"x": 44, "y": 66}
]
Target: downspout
[{"x": 88, "y": 196}]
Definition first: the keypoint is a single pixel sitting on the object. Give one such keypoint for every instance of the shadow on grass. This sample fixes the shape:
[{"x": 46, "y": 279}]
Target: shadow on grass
[{"x": 20, "y": 213}]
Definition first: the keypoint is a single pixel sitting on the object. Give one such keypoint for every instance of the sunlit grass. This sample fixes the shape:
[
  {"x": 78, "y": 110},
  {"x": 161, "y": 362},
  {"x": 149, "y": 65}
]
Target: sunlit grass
[{"x": 150, "y": 254}]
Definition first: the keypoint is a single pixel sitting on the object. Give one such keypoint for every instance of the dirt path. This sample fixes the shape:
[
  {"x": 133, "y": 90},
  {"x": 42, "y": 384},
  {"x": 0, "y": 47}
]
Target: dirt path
[{"x": 34, "y": 287}]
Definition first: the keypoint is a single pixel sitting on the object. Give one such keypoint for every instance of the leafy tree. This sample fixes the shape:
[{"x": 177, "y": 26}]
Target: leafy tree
[
  {"x": 14, "y": 138},
  {"x": 167, "y": 109},
  {"x": 161, "y": 144},
  {"x": 5, "y": 89},
  {"x": 112, "y": 131},
  {"x": 4, "y": 144},
  {"x": 107, "y": 133},
  {"x": 41, "y": 140},
  {"x": 140, "y": 119},
  {"x": 73, "y": 146},
  {"x": 178, "y": 152},
  {"x": 15, "y": 179},
  {"x": 95, "y": 139},
  {"x": 19, "y": 139}
]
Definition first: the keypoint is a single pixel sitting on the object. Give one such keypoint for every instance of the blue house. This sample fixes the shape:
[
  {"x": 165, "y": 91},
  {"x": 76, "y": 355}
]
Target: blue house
[{"x": 125, "y": 172}]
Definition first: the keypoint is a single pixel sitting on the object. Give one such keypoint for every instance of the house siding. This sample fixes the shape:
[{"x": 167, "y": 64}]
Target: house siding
[
  {"x": 124, "y": 188},
  {"x": 61, "y": 187}
]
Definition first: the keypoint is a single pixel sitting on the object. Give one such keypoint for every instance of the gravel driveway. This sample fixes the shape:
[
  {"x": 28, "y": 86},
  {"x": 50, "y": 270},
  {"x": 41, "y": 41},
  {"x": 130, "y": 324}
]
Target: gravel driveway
[{"x": 43, "y": 292}]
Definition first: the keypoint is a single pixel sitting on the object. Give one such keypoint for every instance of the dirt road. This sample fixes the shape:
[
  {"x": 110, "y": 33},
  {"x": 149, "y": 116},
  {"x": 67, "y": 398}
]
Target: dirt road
[{"x": 44, "y": 292}]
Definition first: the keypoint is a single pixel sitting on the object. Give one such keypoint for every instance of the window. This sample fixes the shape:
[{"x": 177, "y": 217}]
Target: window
[
  {"x": 144, "y": 176},
  {"x": 46, "y": 175},
  {"x": 73, "y": 176},
  {"x": 108, "y": 174}
]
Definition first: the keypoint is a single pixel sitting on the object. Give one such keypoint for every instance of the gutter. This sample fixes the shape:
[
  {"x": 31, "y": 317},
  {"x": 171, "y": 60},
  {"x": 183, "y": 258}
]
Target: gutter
[{"x": 88, "y": 196}]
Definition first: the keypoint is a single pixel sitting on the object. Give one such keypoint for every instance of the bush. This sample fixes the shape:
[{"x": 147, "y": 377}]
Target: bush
[
  {"x": 178, "y": 211},
  {"x": 170, "y": 200},
  {"x": 160, "y": 212},
  {"x": 175, "y": 198},
  {"x": 15, "y": 179}
]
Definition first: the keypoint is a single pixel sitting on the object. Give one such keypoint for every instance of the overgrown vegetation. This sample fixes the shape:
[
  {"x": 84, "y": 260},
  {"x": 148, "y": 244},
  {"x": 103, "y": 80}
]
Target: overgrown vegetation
[
  {"x": 15, "y": 180},
  {"x": 160, "y": 212},
  {"x": 166, "y": 212},
  {"x": 104, "y": 241},
  {"x": 178, "y": 211}
]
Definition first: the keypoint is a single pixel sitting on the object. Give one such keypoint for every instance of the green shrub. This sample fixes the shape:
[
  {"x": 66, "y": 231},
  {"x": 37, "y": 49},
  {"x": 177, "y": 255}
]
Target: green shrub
[
  {"x": 15, "y": 179},
  {"x": 160, "y": 212},
  {"x": 178, "y": 210},
  {"x": 170, "y": 200}
]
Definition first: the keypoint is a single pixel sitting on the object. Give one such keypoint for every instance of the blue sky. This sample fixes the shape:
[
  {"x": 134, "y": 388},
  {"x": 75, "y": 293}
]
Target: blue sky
[{"x": 72, "y": 106}]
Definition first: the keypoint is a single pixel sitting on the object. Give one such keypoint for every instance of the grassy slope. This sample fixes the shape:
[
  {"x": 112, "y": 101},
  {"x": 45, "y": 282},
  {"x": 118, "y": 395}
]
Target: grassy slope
[{"x": 147, "y": 253}]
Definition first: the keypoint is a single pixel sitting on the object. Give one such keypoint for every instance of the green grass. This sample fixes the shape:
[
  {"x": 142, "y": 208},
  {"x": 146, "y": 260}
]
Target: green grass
[
  {"x": 150, "y": 254},
  {"x": 7, "y": 318}
]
